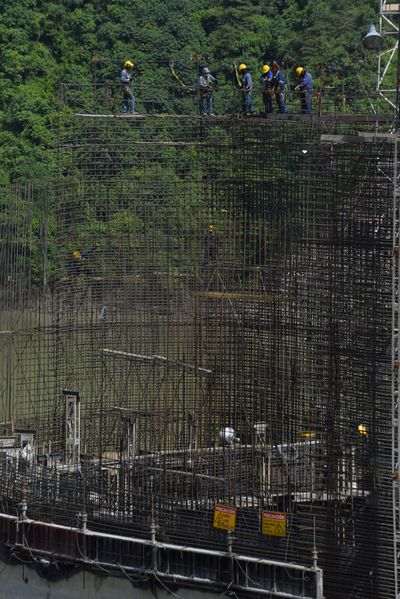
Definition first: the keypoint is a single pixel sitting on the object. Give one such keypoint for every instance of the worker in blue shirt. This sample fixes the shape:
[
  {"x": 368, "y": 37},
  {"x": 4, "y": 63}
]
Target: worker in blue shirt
[
  {"x": 305, "y": 87},
  {"x": 206, "y": 88},
  {"x": 266, "y": 87},
  {"x": 278, "y": 86},
  {"x": 247, "y": 89},
  {"x": 128, "y": 99}
]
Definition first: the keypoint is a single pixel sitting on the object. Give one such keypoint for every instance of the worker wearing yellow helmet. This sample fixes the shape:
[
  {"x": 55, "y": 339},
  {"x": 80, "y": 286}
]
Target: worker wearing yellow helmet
[
  {"x": 77, "y": 259},
  {"x": 305, "y": 87},
  {"x": 210, "y": 241},
  {"x": 266, "y": 88},
  {"x": 362, "y": 430},
  {"x": 128, "y": 99},
  {"x": 76, "y": 256},
  {"x": 247, "y": 89}
]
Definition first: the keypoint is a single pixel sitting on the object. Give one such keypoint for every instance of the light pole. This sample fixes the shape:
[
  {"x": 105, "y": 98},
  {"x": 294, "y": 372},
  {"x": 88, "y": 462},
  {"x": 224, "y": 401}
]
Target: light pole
[{"x": 373, "y": 41}]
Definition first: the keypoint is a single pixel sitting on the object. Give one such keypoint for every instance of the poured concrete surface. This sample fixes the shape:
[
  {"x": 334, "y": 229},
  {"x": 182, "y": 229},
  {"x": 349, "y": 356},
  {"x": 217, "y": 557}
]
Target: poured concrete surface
[{"x": 20, "y": 582}]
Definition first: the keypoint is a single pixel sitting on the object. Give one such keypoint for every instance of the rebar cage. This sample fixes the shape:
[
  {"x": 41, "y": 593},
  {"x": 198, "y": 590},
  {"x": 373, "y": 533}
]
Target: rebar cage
[{"x": 219, "y": 294}]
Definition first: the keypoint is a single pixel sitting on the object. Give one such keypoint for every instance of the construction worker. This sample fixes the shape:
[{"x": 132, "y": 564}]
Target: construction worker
[
  {"x": 247, "y": 89},
  {"x": 305, "y": 87},
  {"x": 76, "y": 258},
  {"x": 128, "y": 99},
  {"x": 278, "y": 86},
  {"x": 362, "y": 430},
  {"x": 266, "y": 87},
  {"x": 206, "y": 81},
  {"x": 210, "y": 241},
  {"x": 79, "y": 261}
]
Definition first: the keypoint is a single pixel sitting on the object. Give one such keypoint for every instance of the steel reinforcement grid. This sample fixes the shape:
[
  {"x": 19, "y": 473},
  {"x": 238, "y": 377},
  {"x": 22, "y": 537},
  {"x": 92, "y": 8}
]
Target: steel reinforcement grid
[{"x": 219, "y": 293}]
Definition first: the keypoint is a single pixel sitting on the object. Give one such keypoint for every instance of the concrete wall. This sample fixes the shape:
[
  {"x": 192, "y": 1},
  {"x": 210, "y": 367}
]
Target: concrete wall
[{"x": 21, "y": 581}]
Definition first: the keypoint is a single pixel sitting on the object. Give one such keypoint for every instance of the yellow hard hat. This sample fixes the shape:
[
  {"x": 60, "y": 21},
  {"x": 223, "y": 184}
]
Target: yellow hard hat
[
  {"x": 265, "y": 68},
  {"x": 211, "y": 228},
  {"x": 76, "y": 255},
  {"x": 242, "y": 67},
  {"x": 128, "y": 64},
  {"x": 362, "y": 430},
  {"x": 299, "y": 71}
]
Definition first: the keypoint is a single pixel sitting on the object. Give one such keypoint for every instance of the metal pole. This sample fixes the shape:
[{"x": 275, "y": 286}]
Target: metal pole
[
  {"x": 395, "y": 365},
  {"x": 396, "y": 122}
]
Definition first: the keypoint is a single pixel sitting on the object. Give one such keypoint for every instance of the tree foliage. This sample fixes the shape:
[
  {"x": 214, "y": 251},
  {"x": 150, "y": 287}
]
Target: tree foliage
[{"x": 44, "y": 42}]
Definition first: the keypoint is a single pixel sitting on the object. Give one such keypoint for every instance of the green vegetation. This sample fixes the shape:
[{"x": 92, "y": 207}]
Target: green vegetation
[{"x": 44, "y": 42}]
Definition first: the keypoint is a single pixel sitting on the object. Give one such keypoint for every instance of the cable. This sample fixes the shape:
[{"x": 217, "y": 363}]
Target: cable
[
  {"x": 165, "y": 587},
  {"x": 255, "y": 584},
  {"x": 132, "y": 580}
]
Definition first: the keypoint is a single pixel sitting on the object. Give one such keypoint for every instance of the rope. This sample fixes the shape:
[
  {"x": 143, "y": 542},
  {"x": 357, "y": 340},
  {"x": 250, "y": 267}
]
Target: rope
[
  {"x": 174, "y": 73},
  {"x": 238, "y": 79}
]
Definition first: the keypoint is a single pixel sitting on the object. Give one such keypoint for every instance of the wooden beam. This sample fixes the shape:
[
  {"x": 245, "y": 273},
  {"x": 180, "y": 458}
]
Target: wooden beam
[
  {"x": 339, "y": 117},
  {"x": 360, "y": 138},
  {"x": 245, "y": 297}
]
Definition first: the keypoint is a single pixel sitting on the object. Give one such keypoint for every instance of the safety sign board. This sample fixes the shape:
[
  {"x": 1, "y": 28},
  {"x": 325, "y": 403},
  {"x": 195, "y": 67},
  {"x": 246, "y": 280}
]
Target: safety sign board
[
  {"x": 273, "y": 523},
  {"x": 225, "y": 517}
]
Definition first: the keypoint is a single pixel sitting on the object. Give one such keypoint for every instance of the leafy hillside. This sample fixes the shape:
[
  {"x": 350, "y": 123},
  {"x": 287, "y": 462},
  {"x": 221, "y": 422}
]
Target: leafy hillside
[{"x": 45, "y": 42}]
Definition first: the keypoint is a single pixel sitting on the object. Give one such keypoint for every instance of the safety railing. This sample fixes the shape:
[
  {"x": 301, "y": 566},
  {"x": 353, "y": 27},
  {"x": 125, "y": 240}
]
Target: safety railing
[
  {"x": 106, "y": 98},
  {"x": 32, "y": 542}
]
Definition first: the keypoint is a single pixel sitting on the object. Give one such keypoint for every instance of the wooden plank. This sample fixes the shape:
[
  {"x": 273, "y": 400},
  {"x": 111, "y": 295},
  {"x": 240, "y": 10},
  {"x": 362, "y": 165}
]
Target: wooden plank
[
  {"x": 325, "y": 116},
  {"x": 246, "y": 297}
]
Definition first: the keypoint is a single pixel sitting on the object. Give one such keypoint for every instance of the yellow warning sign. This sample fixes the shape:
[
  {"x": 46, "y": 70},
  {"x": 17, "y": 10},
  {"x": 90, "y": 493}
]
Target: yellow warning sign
[
  {"x": 273, "y": 523},
  {"x": 224, "y": 517}
]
